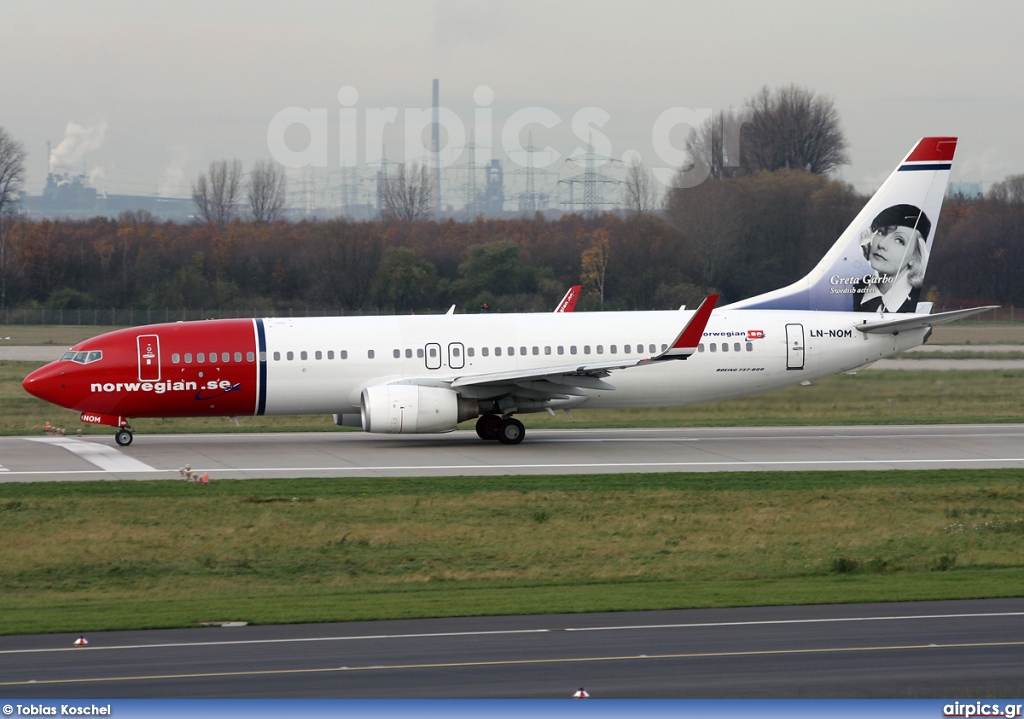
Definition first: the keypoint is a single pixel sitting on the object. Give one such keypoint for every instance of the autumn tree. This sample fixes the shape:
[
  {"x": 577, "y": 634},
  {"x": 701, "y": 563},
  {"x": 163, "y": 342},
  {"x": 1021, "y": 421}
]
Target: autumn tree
[
  {"x": 639, "y": 193},
  {"x": 403, "y": 281},
  {"x": 407, "y": 194},
  {"x": 12, "y": 178},
  {"x": 267, "y": 191},
  {"x": 217, "y": 192},
  {"x": 594, "y": 265},
  {"x": 714, "y": 147},
  {"x": 792, "y": 128}
]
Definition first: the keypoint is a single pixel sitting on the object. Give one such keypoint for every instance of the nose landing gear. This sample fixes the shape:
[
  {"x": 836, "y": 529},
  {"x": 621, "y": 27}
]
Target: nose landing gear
[{"x": 124, "y": 436}]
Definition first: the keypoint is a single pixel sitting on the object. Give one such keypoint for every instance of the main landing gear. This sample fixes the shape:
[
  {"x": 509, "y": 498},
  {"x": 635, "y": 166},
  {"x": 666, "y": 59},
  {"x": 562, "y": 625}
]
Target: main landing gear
[
  {"x": 507, "y": 430},
  {"x": 124, "y": 436}
]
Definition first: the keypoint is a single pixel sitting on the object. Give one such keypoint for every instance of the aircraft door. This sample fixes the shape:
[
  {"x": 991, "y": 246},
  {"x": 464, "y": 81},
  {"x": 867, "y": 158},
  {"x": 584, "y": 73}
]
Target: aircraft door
[
  {"x": 432, "y": 355},
  {"x": 149, "y": 357},
  {"x": 794, "y": 346},
  {"x": 456, "y": 355}
]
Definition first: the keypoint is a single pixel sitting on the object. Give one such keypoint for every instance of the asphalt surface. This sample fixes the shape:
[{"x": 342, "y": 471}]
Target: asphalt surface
[
  {"x": 588, "y": 451},
  {"x": 913, "y": 650}
]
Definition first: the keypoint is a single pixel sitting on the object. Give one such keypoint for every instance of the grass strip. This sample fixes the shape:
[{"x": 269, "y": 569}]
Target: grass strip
[{"x": 84, "y": 556}]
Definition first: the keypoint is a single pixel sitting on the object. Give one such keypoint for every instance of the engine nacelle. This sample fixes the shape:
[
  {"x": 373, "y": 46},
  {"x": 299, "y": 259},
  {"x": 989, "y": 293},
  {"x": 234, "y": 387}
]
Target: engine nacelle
[{"x": 411, "y": 409}]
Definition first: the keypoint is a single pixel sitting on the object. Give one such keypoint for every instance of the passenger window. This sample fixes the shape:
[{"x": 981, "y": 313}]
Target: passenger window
[
  {"x": 238, "y": 356},
  {"x": 433, "y": 352},
  {"x": 175, "y": 357},
  {"x": 200, "y": 357},
  {"x": 561, "y": 350},
  {"x": 225, "y": 356},
  {"x": 277, "y": 356},
  {"x": 547, "y": 349},
  {"x": 536, "y": 350},
  {"x": 419, "y": 353},
  {"x": 455, "y": 352},
  {"x": 470, "y": 351},
  {"x": 736, "y": 346},
  {"x": 714, "y": 347},
  {"x": 612, "y": 349},
  {"x": 586, "y": 349},
  {"x": 652, "y": 349},
  {"x": 626, "y": 349},
  {"x": 330, "y": 354},
  {"x": 397, "y": 354},
  {"x": 344, "y": 354},
  {"x": 304, "y": 355},
  {"x": 369, "y": 354},
  {"x": 700, "y": 347},
  {"x": 485, "y": 351},
  {"x": 600, "y": 349},
  {"x": 750, "y": 346},
  {"x": 188, "y": 358},
  {"x": 497, "y": 351},
  {"x": 318, "y": 355},
  {"x": 290, "y": 355},
  {"x": 572, "y": 349},
  {"x": 664, "y": 347},
  {"x": 511, "y": 351},
  {"x": 408, "y": 354},
  {"x": 250, "y": 356},
  {"x": 725, "y": 346}
]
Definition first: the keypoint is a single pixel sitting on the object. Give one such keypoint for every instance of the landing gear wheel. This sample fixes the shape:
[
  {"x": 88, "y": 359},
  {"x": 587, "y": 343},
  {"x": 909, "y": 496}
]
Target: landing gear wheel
[
  {"x": 123, "y": 437},
  {"x": 512, "y": 431},
  {"x": 488, "y": 427}
]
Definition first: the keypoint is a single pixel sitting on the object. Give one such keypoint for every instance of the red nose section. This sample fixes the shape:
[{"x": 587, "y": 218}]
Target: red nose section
[{"x": 47, "y": 383}]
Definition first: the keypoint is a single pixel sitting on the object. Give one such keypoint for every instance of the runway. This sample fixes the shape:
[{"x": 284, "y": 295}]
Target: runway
[
  {"x": 912, "y": 650},
  {"x": 585, "y": 451}
]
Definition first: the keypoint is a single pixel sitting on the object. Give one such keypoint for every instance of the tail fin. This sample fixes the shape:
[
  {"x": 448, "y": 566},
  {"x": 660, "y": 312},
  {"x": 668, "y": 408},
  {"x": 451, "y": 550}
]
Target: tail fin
[{"x": 878, "y": 263}]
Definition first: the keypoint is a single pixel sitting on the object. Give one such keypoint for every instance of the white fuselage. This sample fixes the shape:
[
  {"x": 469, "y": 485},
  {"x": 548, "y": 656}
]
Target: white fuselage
[{"x": 319, "y": 365}]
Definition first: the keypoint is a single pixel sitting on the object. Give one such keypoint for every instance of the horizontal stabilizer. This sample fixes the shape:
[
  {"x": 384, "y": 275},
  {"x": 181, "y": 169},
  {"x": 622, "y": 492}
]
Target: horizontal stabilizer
[{"x": 917, "y": 322}]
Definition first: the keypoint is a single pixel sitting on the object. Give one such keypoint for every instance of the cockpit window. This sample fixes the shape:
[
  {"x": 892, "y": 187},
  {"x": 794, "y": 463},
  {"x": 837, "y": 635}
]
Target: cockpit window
[{"x": 83, "y": 357}]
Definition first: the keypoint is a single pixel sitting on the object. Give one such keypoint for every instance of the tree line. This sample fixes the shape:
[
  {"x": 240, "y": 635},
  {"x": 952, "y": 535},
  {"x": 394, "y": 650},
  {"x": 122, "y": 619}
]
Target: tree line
[
  {"x": 755, "y": 210},
  {"x": 738, "y": 237}
]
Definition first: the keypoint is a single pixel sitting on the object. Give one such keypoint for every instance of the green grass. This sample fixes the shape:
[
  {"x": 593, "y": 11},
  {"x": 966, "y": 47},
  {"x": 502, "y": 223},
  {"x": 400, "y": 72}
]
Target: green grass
[{"x": 117, "y": 555}]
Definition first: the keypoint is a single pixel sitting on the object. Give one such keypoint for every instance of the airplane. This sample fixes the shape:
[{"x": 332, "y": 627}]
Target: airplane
[
  {"x": 568, "y": 303},
  {"x": 427, "y": 373}
]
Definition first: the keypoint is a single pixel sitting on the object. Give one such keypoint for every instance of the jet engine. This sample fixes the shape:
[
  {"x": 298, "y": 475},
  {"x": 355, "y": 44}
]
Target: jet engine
[{"x": 411, "y": 409}]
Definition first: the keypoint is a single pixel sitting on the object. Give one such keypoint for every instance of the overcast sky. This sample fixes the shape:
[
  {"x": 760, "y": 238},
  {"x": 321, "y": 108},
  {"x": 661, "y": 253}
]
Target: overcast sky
[{"x": 145, "y": 95}]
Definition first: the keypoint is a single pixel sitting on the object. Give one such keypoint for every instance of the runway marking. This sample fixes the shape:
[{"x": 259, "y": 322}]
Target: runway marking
[
  {"x": 504, "y": 632},
  {"x": 509, "y": 663},
  {"x": 104, "y": 457},
  {"x": 230, "y": 471}
]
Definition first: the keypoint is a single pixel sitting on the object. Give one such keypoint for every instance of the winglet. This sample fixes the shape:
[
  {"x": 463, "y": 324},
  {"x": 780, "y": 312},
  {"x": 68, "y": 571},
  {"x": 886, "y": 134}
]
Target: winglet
[
  {"x": 690, "y": 336},
  {"x": 568, "y": 303}
]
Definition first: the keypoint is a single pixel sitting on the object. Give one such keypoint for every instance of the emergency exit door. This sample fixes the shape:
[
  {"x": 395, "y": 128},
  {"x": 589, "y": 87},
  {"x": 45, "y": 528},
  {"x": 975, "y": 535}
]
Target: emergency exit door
[
  {"x": 149, "y": 358},
  {"x": 794, "y": 346}
]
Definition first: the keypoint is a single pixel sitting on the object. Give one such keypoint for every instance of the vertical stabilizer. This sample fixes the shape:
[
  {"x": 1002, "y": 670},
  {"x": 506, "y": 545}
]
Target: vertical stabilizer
[{"x": 878, "y": 263}]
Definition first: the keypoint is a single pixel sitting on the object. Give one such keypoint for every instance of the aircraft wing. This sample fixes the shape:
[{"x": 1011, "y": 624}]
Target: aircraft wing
[
  {"x": 920, "y": 321},
  {"x": 564, "y": 381}
]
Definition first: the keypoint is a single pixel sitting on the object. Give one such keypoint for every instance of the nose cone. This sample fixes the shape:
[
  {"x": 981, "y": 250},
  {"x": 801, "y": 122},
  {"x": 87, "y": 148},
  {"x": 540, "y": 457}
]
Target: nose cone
[{"x": 46, "y": 383}]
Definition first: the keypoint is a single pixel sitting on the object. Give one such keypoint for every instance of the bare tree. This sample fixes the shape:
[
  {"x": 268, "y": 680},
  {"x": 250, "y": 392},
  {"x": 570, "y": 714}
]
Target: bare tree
[
  {"x": 217, "y": 192},
  {"x": 639, "y": 193},
  {"x": 793, "y": 128},
  {"x": 716, "y": 143},
  {"x": 12, "y": 178},
  {"x": 267, "y": 191},
  {"x": 406, "y": 195}
]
